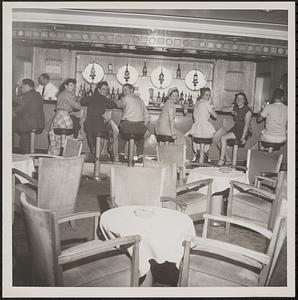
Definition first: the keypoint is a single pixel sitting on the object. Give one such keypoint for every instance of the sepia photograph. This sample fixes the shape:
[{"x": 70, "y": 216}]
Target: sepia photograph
[{"x": 147, "y": 148}]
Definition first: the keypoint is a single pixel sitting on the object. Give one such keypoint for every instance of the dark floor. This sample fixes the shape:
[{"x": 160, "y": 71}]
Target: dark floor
[{"x": 92, "y": 197}]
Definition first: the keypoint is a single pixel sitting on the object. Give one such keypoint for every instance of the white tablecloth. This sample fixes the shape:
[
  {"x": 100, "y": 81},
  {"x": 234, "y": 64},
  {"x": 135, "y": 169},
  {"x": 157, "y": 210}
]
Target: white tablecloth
[
  {"x": 23, "y": 163},
  {"x": 221, "y": 181},
  {"x": 161, "y": 234}
]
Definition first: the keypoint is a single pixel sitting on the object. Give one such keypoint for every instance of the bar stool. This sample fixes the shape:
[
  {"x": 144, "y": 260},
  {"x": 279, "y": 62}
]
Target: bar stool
[
  {"x": 131, "y": 137},
  {"x": 32, "y": 140},
  {"x": 271, "y": 146},
  {"x": 202, "y": 142},
  {"x": 164, "y": 139},
  {"x": 235, "y": 144},
  {"x": 62, "y": 132}
]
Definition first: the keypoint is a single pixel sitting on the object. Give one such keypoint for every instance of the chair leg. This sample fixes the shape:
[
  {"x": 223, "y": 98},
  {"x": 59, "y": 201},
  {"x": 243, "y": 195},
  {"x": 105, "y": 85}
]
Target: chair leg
[
  {"x": 235, "y": 150},
  {"x": 32, "y": 141},
  {"x": 97, "y": 161},
  {"x": 130, "y": 152},
  {"x": 202, "y": 146}
]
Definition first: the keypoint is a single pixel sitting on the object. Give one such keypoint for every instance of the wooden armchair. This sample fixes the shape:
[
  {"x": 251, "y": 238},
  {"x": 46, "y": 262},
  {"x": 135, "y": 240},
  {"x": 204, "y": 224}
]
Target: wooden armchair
[
  {"x": 261, "y": 165},
  {"x": 93, "y": 263},
  {"x": 185, "y": 198},
  {"x": 212, "y": 263},
  {"x": 73, "y": 147},
  {"x": 57, "y": 185},
  {"x": 255, "y": 204},
  {"x": 136, "y": 186}
]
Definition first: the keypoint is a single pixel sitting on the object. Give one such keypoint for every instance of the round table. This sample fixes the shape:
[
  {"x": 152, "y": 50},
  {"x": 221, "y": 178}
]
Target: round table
[
  {"x": 162, "y": 232},
  {"x": 23, "y": 163},
  {"x": 221, "y": 182}
]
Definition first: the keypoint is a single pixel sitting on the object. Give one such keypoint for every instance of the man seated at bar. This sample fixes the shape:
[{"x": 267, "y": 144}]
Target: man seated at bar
[
  {"x": 47, "y": 89},
  {"x": 134, "y": 120},
  {"x": 95, "y": 124},
  {"x": 28, "y": 114},
  {"x": 276, "y": 115}
]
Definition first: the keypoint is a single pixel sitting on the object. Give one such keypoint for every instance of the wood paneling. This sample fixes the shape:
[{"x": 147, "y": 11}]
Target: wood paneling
[{"x": 231, "y": 77}]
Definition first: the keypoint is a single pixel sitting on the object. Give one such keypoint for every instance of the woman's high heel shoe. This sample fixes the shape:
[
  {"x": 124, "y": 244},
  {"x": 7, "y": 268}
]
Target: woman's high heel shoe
[{"x": 221, "y": 162}]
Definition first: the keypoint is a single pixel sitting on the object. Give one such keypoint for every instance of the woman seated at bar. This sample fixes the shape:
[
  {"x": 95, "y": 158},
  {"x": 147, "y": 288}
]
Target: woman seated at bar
[
  {"x": 276, "y": 115},
  {"x": 164, "y": 127},
  {"x": 201, "y": 127},
  {"x": 66, "y": 103},
  {"x": 240, "y": 131},
  {"x": 95, "y": 123}
]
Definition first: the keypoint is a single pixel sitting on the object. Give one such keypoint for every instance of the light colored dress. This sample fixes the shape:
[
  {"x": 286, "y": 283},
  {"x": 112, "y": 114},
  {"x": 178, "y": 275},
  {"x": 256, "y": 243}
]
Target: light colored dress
[
  {"x": 202, "y": 127},
  {"x": 163, "y": 125}
]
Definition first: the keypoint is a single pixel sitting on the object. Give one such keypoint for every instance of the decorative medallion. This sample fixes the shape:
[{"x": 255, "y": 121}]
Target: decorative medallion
[
  {"x": 195, "y": 80},
  {"x": 93, "y": 73},
  {"x": 161, "y": 77},
  {"x": 127, "y": 74}
]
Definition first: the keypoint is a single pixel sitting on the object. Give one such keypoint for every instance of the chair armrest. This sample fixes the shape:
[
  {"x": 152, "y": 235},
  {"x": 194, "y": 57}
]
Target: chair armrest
[
  {"x": 253, "y": 188},
  {"x": 230, "y": 250},
  {"x": 111, "y": 202},
  {"x": 182, "y": 205},
  {"x": 24, "y": 175},
  {"x": 78, "y": 216},
  {"x": 268, "y": 174},
  {"x": 263, "y": 178},
  {"x": 194, "y": 184},
  {"x": 94, "y": 247},
  {"x": 29, "y": 192},
  {"x": 37, "y": 155},
  {"x": 262, "y": 230}
]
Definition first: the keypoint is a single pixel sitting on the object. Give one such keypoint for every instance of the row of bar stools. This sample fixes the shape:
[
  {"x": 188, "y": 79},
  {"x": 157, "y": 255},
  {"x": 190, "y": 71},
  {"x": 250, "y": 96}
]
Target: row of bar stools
[
  {"x": 62, "y": 132},
  {"x": 271, "y": 146},
  {"x": 202, "y": 142},
  {"x": 164, "y": 139},
  {"x": 235, "y": 144}
]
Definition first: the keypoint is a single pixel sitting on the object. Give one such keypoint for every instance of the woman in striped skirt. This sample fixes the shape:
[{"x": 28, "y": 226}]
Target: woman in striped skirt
[{"x": 66, "y": 103}]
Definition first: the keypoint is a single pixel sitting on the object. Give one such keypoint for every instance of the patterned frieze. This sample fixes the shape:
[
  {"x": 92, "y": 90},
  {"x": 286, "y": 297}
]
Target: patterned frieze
[{"x": 156, "y": 41}]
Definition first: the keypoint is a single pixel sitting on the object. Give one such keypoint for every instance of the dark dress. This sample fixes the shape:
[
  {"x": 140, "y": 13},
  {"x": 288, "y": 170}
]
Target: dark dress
[
  {"x": 96, "y": 106},
  {"x": 239, "y": 119}
]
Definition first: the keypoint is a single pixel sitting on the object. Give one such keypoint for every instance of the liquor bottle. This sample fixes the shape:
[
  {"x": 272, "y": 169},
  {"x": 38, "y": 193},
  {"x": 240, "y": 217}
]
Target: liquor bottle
[
  {"x": 178, "y": 72},
  {"x": 190, "y": 101},
  {"x": 181, "y": 99},
  {"x": 145, "y": 69},
  {"x": 80, "y": 91},
  {"x": 90, "y": 93},
  {"x": 117, "y": 95},
  {"x": 110, "y": 68},
  {"x": 163, "y": 98},
  {"x": 109, "y": 94},
  {"x": 84, "y": 92},
  {"x": 185, "y": 97},
  {"x": 113, "y": 97},
  {"x": 158, "y": 99}
]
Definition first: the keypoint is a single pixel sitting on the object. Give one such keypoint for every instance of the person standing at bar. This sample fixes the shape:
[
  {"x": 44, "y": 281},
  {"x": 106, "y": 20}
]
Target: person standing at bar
[
  {"x": 95, "y": 124},
  {"x": 134, "y": 120},
  {"x": 66, "y": 103},
  {"x": 165, "y": 123},
  {"x": 28, "y": 114},
  {"x": 47, "y": 89}
]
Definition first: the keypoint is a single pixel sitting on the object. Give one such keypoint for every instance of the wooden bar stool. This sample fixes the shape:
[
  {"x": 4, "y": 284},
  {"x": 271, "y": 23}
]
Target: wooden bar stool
[
  {"x": 131, "y": 137},
  {"x": 32, "y": 140},
  {"x": 235, "y": 144},
  {"x": 164, "y": 139},
  {"x": 62, "y": 132},
  {"x": 202, "y": 142},
  {"x": 271, "y": 146}
]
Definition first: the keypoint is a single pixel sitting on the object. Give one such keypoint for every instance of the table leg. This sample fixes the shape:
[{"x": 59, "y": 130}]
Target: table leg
[{"x": 216, "y": 208}]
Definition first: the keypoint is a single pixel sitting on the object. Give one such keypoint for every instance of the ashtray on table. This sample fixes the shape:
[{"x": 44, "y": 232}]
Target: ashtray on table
[{"x": 144, "y": 213}]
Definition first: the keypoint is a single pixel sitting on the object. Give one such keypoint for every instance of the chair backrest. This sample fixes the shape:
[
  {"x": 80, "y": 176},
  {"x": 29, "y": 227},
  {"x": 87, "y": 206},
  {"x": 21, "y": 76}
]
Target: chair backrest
[
  {"x": 170, "y": 177},
  {"x": 42, "y": 230},
  {"x": 137, "y": 185},
  {"x": 73, "y": 147},
  {"x": 58, "y": 183},
  {"x": 261, "y": 161}
]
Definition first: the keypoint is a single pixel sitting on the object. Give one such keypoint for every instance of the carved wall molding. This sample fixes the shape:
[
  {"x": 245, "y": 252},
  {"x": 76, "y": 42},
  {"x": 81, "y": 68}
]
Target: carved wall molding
[{"x": 163, "y": 43}]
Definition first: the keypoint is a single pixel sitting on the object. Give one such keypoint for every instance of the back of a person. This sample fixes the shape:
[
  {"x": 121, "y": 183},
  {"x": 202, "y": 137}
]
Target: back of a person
[
  {"x": 201, "y": 111},
  {"x": 163, "y": 123},
  {"x": 134, "y": 108},
  {"x": 276, "y": 120}
]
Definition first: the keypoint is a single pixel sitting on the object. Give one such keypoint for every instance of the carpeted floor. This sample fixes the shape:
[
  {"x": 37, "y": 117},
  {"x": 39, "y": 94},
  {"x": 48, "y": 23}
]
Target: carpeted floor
[{"x": 92, "y": 197}]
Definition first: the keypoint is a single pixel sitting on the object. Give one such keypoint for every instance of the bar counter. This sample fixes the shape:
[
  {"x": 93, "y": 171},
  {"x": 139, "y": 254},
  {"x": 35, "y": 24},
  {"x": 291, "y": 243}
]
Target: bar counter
[{"x": 182, "y": 124}]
